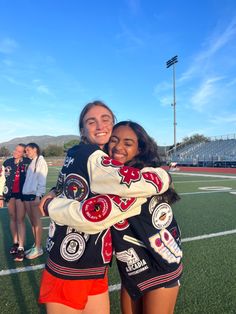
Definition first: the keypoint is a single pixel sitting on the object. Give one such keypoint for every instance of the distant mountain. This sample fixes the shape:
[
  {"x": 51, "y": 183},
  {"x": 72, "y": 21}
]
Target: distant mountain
[{"x": 43, "y": 140}]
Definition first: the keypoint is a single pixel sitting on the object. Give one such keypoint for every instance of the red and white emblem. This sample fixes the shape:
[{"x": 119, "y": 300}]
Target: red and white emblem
[
  {"x": 76, "y": 187},
  {"x": 97, "y": 208}
]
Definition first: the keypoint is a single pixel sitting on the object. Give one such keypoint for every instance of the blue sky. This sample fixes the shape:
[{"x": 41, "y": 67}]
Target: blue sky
[{"x": 57, "y": 55}]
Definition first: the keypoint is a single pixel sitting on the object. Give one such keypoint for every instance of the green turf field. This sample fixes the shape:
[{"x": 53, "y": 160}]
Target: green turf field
[{"x": 207, "y": 218}]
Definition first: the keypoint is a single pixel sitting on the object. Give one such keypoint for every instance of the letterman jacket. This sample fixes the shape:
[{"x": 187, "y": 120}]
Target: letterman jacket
[
  {"x": 148, "y": 248},
  {"x": 87, "y": 169},
  {"x": 9, "y": 171}
]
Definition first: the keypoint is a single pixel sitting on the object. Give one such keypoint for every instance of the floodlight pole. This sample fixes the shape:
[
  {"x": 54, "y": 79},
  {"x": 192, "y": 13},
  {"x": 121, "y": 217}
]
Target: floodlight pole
[{"x": 169, "y": 63}]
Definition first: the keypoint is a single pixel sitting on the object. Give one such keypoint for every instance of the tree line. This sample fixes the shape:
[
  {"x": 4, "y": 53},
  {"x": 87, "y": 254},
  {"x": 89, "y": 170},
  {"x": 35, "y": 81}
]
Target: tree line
[
  {"x": 50, "y": 151},
  {"x": 56, "y": 150}
]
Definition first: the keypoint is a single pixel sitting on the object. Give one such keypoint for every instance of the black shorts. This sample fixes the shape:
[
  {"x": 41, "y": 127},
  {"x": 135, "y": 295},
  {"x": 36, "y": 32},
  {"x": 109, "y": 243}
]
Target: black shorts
[
  {"x": 152, "y": 278},
  {"x": 17, "y": 196},
  {"x": 29, "y": 197}
]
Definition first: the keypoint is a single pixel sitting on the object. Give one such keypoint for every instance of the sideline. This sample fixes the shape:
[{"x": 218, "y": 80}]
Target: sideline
[
  {"x": 114, "y": 287},
  {"x": 204, "y": 175}
]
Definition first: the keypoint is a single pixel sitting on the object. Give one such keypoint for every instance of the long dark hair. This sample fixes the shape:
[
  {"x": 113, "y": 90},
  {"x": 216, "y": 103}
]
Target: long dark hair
[
  {"x": 148, "y": 156},
  {"x": 34, "y": 145}
]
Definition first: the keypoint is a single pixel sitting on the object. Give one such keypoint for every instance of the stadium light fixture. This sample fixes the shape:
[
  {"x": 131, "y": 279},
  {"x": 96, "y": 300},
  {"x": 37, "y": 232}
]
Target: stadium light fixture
[{"x": 170, "y": 63}]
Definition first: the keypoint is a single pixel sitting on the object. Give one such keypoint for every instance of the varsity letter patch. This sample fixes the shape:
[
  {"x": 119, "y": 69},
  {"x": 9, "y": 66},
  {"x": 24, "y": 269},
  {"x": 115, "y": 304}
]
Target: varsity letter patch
[{"x": 164, "y": 244}]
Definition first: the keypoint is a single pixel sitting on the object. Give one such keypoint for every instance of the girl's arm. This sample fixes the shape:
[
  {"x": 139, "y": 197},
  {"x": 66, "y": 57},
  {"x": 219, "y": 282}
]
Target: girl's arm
[
  {"x": 42, "y": 171},
  {"x": 94, "y": 214},
  {"x": 108, "y": 176},
  {"x": 2, "y": 180}
]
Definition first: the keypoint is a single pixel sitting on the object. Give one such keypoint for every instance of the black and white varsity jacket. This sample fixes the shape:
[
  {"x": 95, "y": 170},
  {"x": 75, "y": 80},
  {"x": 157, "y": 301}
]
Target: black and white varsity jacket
[
  {"x": 87, "y": 170},
  {"x": 148, "y": 248},
  {"x": 8, "y": 170}
]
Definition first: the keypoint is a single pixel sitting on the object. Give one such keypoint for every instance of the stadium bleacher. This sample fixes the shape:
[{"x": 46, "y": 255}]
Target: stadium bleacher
[{"x": 213, "y": 153}]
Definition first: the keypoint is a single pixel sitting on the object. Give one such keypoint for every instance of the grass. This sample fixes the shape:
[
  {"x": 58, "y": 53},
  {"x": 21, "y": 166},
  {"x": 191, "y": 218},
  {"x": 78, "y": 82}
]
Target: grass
[{"x": 208, "y": 283}]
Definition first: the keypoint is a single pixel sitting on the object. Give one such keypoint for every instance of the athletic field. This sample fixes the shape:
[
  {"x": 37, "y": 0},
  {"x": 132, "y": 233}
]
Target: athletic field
[{"x": 207, "y": 217}]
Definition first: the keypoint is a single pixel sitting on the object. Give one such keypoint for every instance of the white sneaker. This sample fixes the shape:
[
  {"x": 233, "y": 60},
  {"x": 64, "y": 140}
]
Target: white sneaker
[
  {"x": 34, "y": 253},
  {"x": 29, "y": 250}
]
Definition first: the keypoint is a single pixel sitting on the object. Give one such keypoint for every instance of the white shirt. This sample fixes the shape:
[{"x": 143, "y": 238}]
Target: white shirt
[{"x": 36, "y": 177}]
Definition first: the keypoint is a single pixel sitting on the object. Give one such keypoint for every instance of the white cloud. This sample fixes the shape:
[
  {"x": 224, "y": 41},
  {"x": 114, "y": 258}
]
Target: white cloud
[
  {"x": 8, "y": 45},
  {"x": 129, "y": 39},
  {"x": 204, "y": 60},
  {"x": 206, "y": 93},
  {"x": 230, "y": 118},
  {"x": 43, "y": 89}
]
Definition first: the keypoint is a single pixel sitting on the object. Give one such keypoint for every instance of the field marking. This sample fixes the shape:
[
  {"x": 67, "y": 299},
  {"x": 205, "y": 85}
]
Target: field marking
[
  {"x": 205, "y": 175},
  {"x": 41, "y": 266},
  {"x": 206, "y": 192},
  {"x": 207, "y": 236},
  {"x": 201, "y": 181},
  {"x": 114, "y": 287}
]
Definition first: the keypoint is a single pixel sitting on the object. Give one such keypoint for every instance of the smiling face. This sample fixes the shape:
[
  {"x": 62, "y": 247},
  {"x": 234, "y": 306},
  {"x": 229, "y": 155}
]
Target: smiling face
[
  {"x": 97, "y": 125},
  {"x": 31, "y": 152},
  {"x": 18, "y": 152},
  {"x": 123, "y": 144}
]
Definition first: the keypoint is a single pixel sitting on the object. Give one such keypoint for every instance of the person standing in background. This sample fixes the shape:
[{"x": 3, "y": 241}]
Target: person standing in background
[
  {"x": 12, "y": 178},
  {"x": 33, "y": 190}
]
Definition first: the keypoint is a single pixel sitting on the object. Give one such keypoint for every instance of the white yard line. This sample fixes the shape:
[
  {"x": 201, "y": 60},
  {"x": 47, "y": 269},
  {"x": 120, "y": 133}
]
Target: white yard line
[
  {"x": 204, "y": 175},
  {"x": 211, "y": 235},
  {"x": 41, "y": 266},
  {"x": 206, "y": 192},
  {"x": 200, "y": 181}
]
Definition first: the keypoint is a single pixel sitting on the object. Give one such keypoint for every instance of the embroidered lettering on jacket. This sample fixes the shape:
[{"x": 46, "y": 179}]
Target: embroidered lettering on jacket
[
  {"x": 130, "y": 175},
  {"x": 68, "y": 161},
  {"x": 134, "y": 265},
  {"x": 123, "y": 203},
  {"x": 106, "y": 250},
  {"x": 154, "y": 179}
]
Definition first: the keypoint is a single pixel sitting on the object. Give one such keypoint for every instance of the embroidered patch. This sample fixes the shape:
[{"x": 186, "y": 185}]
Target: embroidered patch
[
  {"x": 162, "y": 216},
  {"x": 5, "y": 190},
  {"x": 7, "y": 171},
  {"x": 153, "y": 203},
  {"x": 121, "y": 225},
  {"x": 164, "y": 244},
  {"x": 134, "y": 264},
  {"x": 72, "y": 247},
  {"x": 106, "y": 250},
  {"x": 97, "y": 208},
  {"x": 52, "y": 229},
  {"x": 76, "y": 187}
]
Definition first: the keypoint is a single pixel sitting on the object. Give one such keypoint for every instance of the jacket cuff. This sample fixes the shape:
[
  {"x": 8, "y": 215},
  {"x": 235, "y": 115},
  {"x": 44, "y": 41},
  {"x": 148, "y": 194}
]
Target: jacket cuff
[{"x": 45, "y": 206}]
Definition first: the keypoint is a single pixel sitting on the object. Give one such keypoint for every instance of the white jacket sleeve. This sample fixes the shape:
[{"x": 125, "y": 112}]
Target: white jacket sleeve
[
  {"x": 2, "y": 179},
  {"x": 110, "y": 177},
  {"x": 95, "y": 214},
  {"x": 42, "y": 172}
]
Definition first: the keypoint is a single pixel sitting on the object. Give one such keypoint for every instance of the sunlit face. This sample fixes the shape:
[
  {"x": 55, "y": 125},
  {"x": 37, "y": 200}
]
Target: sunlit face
[
  {"x": 18, "y": 152},
  {"x": 97, "y": 125},
  {"x": 123, "y": 144},
  {"x": 31, "y": 152}
]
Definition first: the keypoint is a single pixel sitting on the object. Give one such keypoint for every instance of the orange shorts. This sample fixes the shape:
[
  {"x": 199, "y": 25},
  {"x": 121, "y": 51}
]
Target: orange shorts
[{"x": 73, "y": 293}]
